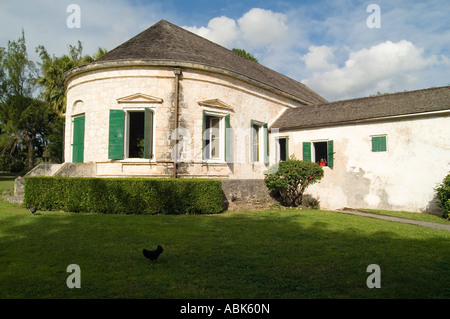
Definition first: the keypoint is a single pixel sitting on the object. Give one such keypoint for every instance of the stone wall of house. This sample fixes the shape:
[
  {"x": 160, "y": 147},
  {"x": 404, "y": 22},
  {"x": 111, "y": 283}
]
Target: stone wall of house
[
  {"x": 93, "y": 94},
  {"x": 401, "y": 178}
]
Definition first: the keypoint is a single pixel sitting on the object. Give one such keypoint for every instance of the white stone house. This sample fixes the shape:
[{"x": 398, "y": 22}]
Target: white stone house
[{"x": 168, "y": 103}]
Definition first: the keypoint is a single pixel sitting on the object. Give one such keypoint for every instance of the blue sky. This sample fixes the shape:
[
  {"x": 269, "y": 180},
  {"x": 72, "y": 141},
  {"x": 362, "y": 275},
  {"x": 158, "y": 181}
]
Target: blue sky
[{"x": 325, "y": 44}]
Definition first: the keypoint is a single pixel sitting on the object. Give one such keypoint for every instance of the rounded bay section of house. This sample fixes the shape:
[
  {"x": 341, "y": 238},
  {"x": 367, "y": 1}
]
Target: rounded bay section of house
[{"x": 169, "y": 103}]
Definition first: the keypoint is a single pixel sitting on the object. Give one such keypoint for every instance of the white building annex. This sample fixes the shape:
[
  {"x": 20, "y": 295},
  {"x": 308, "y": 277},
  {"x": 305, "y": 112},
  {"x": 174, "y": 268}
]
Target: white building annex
[{"x": 168, "y": 103}]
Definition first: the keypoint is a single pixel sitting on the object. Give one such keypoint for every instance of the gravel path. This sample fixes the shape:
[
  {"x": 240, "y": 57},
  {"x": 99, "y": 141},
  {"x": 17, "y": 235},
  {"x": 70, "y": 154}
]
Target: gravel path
[{"x": 396, "y": 219}]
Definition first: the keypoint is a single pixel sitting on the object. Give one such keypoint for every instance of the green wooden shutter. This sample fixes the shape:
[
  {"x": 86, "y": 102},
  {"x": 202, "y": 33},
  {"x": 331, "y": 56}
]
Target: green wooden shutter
[
  {"x": 266, "y": 143},
  {"x": 204, "y": 155},
  {"x": 375, "y": 142},
  {"x": 116, "y": 132},
  {"x": 330, "y": 159},
  {"x": 228, "y": 140},
  {"x": 307, "y": 151},
  {"x": 148, "y": 134},
  {"x": 253, "y": 156},
  {"x": 383, "y": 147},
  {"x": 379, "y": 144},
  {"x": 78, "y": 139}
]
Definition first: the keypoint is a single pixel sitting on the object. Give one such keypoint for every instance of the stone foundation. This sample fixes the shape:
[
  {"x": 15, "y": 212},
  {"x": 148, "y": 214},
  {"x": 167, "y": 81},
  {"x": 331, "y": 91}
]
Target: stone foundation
[{"x": 247, "y": 194}]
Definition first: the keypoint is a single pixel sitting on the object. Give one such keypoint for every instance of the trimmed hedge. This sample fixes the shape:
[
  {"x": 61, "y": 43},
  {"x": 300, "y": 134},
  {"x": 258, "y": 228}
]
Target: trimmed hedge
[{"x": 124, "y": 195}]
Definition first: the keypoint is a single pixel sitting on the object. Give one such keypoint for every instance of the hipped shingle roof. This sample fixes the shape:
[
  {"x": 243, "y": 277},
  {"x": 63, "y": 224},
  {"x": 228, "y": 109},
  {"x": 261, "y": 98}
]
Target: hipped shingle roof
[
  {"x": 417, "y": 102},
  {"x": 167, "y": 42}
]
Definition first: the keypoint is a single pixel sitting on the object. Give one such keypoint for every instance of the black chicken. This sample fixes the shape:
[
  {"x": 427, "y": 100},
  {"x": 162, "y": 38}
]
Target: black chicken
[
  {"x": 152, "y": 254},
  {"x": 32, "y": 209}
]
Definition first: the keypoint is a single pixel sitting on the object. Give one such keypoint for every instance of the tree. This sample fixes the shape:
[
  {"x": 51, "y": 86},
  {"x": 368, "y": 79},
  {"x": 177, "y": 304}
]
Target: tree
[
  {"x": 245, "y": 54},
  {"x": 443, "y": 197},
  {"x": 22, "y": 117},
  {"x": 291, "y": 179},
  {"x": 53, "y": 69},
  {"x": 31, "y": 126}
]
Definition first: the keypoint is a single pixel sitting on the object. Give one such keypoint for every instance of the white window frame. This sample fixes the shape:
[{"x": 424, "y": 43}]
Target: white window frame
[
  {"x": 278, "y": 148},
  {"x": 126, "y": 133},
  {"x": 261, "y": 141},
  {"x": 221, "y": 116},
  {"x": 313, "y": 150}
]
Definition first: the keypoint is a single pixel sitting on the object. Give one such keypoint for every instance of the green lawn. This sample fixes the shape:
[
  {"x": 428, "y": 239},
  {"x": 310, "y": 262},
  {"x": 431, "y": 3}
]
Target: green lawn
[{"x": 269, "y": 254}]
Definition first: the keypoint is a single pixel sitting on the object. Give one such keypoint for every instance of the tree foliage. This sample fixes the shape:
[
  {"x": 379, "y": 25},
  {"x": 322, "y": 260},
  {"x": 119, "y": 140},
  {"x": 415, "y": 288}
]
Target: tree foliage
[
  {"x": 32, "y": 103},
  {"x": 291, "y": 179},
  {"x": 53, "y": 69},
  {"x": 443, "y": 196},
  {"x": 23, "y": 117},
  {"x": 245, "y": 54}
]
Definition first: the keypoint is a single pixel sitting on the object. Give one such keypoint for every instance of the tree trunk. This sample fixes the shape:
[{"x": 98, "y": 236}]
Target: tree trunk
[{"x": 29, "y": 143}]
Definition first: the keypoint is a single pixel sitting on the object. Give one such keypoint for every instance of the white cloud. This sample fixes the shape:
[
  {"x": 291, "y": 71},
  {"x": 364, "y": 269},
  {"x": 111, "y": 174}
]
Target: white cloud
[
  {"x": 256, "y": 29},
  {"x": 261, "y": 27},
  {"x": 387, "y": 66},
  {"x": 318, "y": 58},
  {"x": 221, "y": 30}
]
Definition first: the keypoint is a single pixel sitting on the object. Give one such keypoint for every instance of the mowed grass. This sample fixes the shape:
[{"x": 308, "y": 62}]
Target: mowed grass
[{"x": 263, "y": 254}]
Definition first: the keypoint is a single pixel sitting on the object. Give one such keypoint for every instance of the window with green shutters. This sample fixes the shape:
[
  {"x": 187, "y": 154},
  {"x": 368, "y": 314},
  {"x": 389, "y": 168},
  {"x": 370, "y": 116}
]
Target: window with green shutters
[
  {"x": 282, "y": 149},
  {"x": 217, "y": 137},
  {"x": 78, "y": 139},
  {"x": 259, "y": 137},
  {"x": 131, "y": 134},
  {"x": 318, "y": 152},
  {"x": 379, "y": 143}
]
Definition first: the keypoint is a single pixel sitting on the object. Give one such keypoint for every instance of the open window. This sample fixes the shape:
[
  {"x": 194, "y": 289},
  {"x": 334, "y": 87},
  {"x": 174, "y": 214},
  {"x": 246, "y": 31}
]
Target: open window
[
  {"x": 282, "y": 149},
  {"x": 259, "y": 142},
  {"x": 138, "y": 137},
  {"x": 321, "y": 152},
  {"x": 131, "y": 134},
  {"x": 216, "y": 136}
]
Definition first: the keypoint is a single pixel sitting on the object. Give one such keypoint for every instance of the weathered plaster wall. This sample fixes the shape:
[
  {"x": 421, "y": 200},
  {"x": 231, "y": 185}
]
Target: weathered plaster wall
[{"x": 402, "y": 178}]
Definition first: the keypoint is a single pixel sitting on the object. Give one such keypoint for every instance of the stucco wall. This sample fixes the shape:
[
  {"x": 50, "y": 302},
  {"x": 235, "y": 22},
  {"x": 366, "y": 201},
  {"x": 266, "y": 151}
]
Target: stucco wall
[
  {"x": 402, "y": 178},
  {"x": 96, "y": 92}
]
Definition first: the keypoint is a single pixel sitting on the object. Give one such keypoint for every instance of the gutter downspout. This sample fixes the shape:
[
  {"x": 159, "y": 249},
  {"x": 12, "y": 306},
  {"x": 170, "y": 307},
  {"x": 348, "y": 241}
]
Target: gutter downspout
[{"x": 177, "y": 72}]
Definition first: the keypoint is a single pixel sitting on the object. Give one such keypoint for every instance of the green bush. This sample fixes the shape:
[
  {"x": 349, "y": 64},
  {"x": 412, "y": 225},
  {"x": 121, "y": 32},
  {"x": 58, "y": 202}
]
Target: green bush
[
  {"x": 124, "y": 195},
  {"x": 443, "y": 196},
  {"x": 291, "y": 179}
]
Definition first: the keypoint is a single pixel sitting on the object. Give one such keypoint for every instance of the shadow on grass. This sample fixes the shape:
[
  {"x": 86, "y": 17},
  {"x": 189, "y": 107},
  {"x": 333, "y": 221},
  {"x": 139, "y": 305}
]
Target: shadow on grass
[{"x": 278, "y": 254}]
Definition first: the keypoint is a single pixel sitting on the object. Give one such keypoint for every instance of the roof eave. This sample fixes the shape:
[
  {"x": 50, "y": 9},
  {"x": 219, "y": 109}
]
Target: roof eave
[
  {"x": 362, "y": 121},
  {"x": 103, "y": 65}
]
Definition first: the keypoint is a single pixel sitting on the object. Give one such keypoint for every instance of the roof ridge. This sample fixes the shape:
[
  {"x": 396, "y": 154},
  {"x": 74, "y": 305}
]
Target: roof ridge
[{"x": 428, "y": 101}]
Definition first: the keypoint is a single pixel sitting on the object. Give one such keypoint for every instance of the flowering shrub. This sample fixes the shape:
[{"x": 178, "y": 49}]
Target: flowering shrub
[
  {"x": 443, "y": 196},
  {"x": 291, "y": 179}
]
